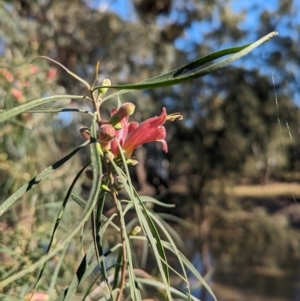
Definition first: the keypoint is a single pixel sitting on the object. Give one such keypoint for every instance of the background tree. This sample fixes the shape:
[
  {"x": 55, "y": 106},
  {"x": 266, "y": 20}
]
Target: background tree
[{"x": 231, "y": 131}]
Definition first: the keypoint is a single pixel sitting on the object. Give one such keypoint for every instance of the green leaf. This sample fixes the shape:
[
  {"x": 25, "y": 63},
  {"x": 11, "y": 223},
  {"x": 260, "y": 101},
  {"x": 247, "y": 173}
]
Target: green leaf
[
  {"x": 77, "y": 199},
  {"x": 69, "y": 291},
  {"x": 134, "y": 290},
  {"x": 83, "y": 271},
  {"x": 66, "y": 69},
  {"x": 37, "y": 179},
  {"x": 191, "y": 70},
  {"x": 82, "y": 204},
  {"x": 174, "y": 247},
  {"x": 98, "y": 232},
  {"x": 57, "y": 110},
  {"x": 148, "y": 199},
  {"x": 5, "y": 115},
  {"x": 108, "y": 296},
  {"x": 177, "y": 220},
  {"x": 148, "y": 227},
  {"x": 159, "y": 285},
  {"x": 58, "y": 219},
  {"x": 55, "y": 275},
  {"x": 190, "y": 266},
  {"x": 90, "y": 205}
]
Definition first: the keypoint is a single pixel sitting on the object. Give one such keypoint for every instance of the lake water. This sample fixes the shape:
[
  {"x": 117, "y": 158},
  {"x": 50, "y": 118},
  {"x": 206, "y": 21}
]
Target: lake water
[{"x": 259, "y": 284}]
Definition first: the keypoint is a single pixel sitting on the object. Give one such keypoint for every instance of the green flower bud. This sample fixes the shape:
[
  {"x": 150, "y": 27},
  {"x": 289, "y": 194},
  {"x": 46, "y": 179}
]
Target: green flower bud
[
  {"x": 125, "y": 110},
  {"x": 102, "y": 91},
  {"x": 135, "y": 231},
  {"x": 132, "y": 161}
]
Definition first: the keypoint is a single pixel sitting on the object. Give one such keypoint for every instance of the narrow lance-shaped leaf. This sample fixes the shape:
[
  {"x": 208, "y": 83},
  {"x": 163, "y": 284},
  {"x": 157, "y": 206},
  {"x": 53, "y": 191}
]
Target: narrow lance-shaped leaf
[
  {"x": 5, "y": 115},
  {"x": 191, "y": 70},
  {"x": 58, "y": 219},
  {"x": 66, "y": 69},
  {"x": 37, "y": 179},
  {"x": 95, "y": 191},
  {"x": 83, "y": 271},
  {"x": 56, "y": 110},
  {"x": 134, "y": 290},
  {"x": 159, "y": 285},
  {"x": 148, "y": 227},
  {"x": 90, "y": 205}
]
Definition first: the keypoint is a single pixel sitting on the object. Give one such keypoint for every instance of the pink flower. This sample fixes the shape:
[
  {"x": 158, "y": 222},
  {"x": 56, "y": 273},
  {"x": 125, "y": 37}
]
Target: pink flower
[
  {"x": 51, "y": 73},
  {"x": 150, "y": 130},
  {"x": 131, "y": 134},
  {"x": 9, "y": 77},
  {"x": 33, "y": 69},
  {"x": 37, "y": 296},
  {"x": 119, "y": 133},
  {"x": 17, "y": 94}
]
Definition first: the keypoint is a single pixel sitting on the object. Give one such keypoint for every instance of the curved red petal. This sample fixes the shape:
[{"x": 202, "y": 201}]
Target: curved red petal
[{"x": 148, "y": 131}]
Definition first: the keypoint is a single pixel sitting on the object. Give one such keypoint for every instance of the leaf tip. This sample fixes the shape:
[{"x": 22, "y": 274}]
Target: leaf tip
[{"x": 273, "y": 34}]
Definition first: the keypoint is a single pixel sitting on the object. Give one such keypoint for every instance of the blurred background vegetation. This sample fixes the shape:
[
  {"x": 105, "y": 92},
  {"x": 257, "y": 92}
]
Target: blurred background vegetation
[{"x": 233, "y": 164}]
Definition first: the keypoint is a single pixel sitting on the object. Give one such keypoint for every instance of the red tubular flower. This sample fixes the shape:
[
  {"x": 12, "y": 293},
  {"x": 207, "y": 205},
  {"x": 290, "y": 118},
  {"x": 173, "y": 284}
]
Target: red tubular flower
[
  {"x": 118, "y": 133},
  {"x": 120, "y": 136},
  {"x": 150, "y": 130}
]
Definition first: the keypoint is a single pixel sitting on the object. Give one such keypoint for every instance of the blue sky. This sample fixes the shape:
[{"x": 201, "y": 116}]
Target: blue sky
[
  {"x": 287, "y": 26},
  {"x": 194, "y": 34}
]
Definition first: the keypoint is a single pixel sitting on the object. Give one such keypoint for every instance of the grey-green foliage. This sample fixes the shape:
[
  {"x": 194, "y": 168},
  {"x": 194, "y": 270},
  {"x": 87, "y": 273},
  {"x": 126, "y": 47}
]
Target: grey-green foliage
[
  {"x": 226, "y": 114},
  {"x": 92, "y": 35}
]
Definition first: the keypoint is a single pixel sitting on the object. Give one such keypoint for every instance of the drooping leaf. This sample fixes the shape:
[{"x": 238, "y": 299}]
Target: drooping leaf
[
  {"x": 58, "y": 219},
  {"x": 37, "y": 179},
  {"x": 5, "y": 115},
  {"x": 148, "y": 227},
  {"x": 160, "y": 286},
  {"x": 66, "y": 69},
  {"x": 192, "y": 70},
  {"x": 84, "y": 270},
  {"x": 90, "y": 205}
]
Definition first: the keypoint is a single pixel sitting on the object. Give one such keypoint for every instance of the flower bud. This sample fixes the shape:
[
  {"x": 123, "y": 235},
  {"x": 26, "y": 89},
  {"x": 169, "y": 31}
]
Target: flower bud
[
  {"x": 102, "y": 91},
  {"x": 132, "y": 161},
  {"x": 106, "y": 135},
  {"x": 105, "y": 188},
  {"x": 135, "y": 231},
  {"x": 125, "y": 110}
]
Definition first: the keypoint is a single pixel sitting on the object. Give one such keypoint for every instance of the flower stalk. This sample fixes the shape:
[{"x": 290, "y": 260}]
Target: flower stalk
[{"x": 118, "y": 138}]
